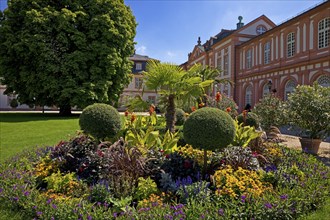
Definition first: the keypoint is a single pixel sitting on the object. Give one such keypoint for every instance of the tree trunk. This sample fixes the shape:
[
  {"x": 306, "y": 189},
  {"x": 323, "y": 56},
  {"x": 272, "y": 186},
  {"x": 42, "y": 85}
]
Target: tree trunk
[
  {"x": 205, "y": 165},
  {"x": 170, "y": 114},
  {"x": 65, "y": 110}
]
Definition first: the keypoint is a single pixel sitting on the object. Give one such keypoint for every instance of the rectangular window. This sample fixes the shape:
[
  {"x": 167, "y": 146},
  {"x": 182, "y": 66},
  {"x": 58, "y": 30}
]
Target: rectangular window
[
  {"x": 267, "y": 53},
  {"x": 138, "y": 83},
  {"x": 249, "y": 59},
  {"x": 219, "y": 63},
  {"x": 152, "y": 99},
  {"x": 291, "y": 44},
  {"x": 138, "y": 66},
  {"x": 324, "y": 32},
  {"x": 226, "y": 63}
]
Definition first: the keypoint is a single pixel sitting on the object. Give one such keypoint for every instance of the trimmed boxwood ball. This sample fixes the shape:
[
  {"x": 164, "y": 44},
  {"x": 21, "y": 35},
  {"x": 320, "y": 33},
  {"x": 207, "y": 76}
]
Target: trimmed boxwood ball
[
  {"x": 100, "y": 120},
  {"x": 251, "y": 120},
  {"x": 180, "y": 116},
  {"x": 209, "y": 128}
]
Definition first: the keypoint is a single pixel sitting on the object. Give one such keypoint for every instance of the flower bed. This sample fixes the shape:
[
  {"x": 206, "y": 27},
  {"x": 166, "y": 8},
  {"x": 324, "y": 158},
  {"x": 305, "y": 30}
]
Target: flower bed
[{"x": 79, "y": 179}]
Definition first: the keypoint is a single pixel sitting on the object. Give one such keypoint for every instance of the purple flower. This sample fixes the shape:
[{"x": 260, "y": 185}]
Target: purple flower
[
  {"x": 243, "y": 197},
  {"x": 89, "y": 217},
  {"x": 221, "y": 212},
  {"x": 168, "y": 216},
  {"x": 284, "y": 197},
  {"x": 115, "y": 214},
  {"x": 268, "y": 205},
  {"x": 39, "y": 213},
  {"x": 1, "y": 190},
  {"x": 49, "y": 201},
  {"x": 15, "y": 199},
  {"x": 54, "y": 206},
  {"x": 26, "y": 193}
]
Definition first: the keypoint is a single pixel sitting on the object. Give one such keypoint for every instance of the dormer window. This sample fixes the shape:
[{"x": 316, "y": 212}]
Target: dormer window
[
  {"x": 138, "y": 66},
  {"x": 261, "y": 29}
]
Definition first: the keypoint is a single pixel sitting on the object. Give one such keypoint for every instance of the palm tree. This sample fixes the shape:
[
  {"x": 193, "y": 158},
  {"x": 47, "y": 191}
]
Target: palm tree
[
  {"x": 209, "y": 77},
  {"x": 173, "y": 83}
]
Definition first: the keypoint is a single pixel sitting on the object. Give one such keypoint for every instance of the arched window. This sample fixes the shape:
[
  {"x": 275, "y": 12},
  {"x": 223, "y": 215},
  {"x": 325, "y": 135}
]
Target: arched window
[
  {"x": 291, "y": 44},
  {"x": 324, "y": 32},
  {"x": 248, "y": 95},
  {"x": 289, "y": 88},
  {"x": 324, "y": 81},
  {"x": 265, "y": 90}
]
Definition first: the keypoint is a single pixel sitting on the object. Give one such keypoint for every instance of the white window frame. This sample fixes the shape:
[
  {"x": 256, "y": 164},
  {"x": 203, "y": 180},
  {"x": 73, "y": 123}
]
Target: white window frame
[
  {"x": 267, "y": 53},
  {"x": 291, "y": 47},
  {"x": 248, "y": 95},
  {"x": 324, "y": 81},
  {"x": 324, "y": 33},
  {"x": 138, "y": 82},
  {"x": 226, "y": 63},
  {"x": 289, "y": 88},
  {"x": 249, "y": 59},
  {"x": 138, "y": 66}
]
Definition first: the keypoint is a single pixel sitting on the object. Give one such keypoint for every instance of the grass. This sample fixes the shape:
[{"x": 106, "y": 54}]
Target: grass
[
  {"x": 320, "y": 214},
  {"x": 19, "y": 131}
]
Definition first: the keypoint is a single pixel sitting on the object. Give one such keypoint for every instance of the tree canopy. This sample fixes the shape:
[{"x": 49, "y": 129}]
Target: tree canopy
[
  {"x": 66, "y": 53},
  {"x": 172, "y": 82}
]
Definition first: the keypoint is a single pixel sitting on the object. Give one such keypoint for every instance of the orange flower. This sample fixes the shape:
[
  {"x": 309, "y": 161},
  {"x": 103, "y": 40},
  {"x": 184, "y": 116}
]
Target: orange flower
[
  {"x": 126, "y": 113},
  {"x": 193, "y": 108},
  {"x": 151, "y": 109},
  {"x": 245, "y": 113},
  {"x": 133, "y": 117},
  {"x": 218, "y": 97},
  {"x": 201, "y": 105},
  {"x": 228, "y": 109}
]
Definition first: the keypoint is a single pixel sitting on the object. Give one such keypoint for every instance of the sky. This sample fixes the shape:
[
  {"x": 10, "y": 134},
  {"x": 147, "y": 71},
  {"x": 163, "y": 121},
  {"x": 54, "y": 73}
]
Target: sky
[{"x": 168, "y": 29}]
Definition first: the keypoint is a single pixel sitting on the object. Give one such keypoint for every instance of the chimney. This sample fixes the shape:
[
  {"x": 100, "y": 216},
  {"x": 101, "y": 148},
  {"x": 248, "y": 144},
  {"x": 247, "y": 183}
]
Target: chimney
[{"x": 240, "y": 24}]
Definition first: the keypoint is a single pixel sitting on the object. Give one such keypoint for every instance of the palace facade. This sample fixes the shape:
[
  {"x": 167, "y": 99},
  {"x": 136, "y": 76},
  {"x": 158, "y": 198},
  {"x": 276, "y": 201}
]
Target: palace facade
[{"x": 261, "y": 57}]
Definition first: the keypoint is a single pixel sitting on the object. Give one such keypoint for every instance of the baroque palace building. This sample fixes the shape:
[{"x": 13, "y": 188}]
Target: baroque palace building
[{"x": 261, "y": 57}]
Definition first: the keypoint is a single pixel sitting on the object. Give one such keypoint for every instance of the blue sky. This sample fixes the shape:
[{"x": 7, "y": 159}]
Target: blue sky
[{"x": 168, "y": 29}]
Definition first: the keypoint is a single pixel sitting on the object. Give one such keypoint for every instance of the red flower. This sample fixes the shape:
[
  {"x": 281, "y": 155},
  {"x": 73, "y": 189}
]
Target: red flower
[
  {"x": 228, "y": 109},
  {"x": 133, "y": 117},
  {"x": 167, "y": 156},
  {"x": 218, "y": 97},
  {"x": 193, "y": 108},
  {"x": 126, "y": 113},
  {"x": 161, "y": 150},
  {"x": 100, "y": 153},
  {"x": 201, "y": 105}
]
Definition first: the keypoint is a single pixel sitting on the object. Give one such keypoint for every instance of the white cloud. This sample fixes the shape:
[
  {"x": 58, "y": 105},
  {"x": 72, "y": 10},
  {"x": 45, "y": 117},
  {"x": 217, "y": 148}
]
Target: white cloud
[
  {"x": 171, "y": 54},
  {"x": 141, "y": 50}
]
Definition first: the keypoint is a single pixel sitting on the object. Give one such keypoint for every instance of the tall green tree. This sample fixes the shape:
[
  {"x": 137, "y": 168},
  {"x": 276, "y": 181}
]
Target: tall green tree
[
  {"x": 173, "y": 83},
  {"x": 66, "y": 52}
]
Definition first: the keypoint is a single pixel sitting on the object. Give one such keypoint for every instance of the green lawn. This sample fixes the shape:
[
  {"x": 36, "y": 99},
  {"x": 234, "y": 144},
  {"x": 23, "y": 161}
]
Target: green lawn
[{"x": 19, "y": 131}]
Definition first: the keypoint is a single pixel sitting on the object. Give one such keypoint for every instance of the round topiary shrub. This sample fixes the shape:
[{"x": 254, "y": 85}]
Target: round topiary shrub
[
  {"x": 180, "y": 116},
  {"x": 251, "y": 120},
  {"x": 100, "y": 120},
  {"x": 209, "y": 129}
]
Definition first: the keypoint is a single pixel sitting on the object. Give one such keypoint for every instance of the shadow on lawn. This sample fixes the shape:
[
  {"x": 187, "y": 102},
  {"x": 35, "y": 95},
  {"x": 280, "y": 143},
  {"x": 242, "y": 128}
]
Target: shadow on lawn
[{"x": 26, "y": 117}]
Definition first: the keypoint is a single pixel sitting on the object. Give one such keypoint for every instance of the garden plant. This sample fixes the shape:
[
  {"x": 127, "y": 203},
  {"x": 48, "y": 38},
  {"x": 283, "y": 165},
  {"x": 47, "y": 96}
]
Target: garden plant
[{"x": 144, "y": 173}]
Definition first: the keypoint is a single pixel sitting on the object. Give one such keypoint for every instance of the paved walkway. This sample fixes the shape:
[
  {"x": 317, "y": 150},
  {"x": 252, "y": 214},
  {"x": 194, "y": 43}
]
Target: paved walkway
[{"x": 324, "y": 150}]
